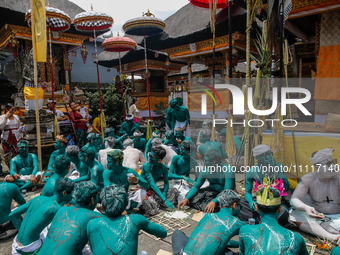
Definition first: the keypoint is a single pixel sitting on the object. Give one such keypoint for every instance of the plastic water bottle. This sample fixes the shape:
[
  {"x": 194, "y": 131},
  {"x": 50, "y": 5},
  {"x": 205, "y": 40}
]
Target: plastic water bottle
[
  {"x": 143, "y": 253},
  {"x": 251, "y": 221}
]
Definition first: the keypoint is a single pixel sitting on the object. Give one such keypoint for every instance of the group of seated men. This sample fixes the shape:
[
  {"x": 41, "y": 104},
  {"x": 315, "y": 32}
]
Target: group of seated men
[{"x": 102, "y": 173}]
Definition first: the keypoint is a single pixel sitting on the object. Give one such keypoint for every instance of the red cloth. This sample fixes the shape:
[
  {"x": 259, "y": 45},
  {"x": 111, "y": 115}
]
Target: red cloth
[
  {"x": 11, "y": 140},
  {"x": 76, "y": 117},
  {"x": 149, "y": 192}
]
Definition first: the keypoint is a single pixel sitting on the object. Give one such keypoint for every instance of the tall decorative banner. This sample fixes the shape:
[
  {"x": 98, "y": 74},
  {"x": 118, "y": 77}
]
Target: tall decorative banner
[{"x": 39, "y": 30}]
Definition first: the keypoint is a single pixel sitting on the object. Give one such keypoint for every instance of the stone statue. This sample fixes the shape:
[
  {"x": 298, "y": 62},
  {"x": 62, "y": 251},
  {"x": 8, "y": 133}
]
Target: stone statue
[
  {"x": 269, "y": 237},
  {"x": 67, "y": 234},
  {"x": 39, "y": 213},
  {"x": 105, "y": 233},
  {"x": 24, "y": 168},
  {"x": 119, "y": 174},
  {"x": 28, "y": 75},
  {"x": 213, "y": 233}
]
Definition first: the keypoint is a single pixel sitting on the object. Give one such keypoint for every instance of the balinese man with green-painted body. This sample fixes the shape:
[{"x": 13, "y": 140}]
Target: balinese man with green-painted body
[
  {"x": 96, "y": 169},
  {"x": 98, "y": 142},
  {"x": 207, "y": 124},
  {"x": 206, "y": 145},
  {"x": 180, "y": 167},
  {"x": 118, "y": 234},
  {"x": 39, "y": 213},
  {"x": 91, "y": 142},
  {"x": 61, "y": 165},
  {"x": 169, "y": 116},
  {"x": 155, "y": 134},
  {"x": 138, "y": 141},
  {"x": 335, "y": 251},
  {"x": 67, "y": 234},
  {"x": 8, "y": 192},
  {"x": 170, "y": 139},
  {"x": 153, "y": 170},
  {"x": 119, "y": 174},
  {"x": 60, "y": 145},
  {"x": 269, "y": 237},
  {"x": 79, "y": 168},
  {"x": 128, "y": 127},
  {"x": 219, "y": 176},
  {"x": 213, "y": 233},
  {"x": 110, "y": 132},
  {"x": 180, "y": 117},
  {"x": 262, "y": 170},
  {"x": 24, "y": 168}
]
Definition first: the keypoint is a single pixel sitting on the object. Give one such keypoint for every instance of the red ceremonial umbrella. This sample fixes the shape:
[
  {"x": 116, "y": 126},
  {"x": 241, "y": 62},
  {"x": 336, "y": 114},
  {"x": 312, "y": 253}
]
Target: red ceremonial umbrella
[
  {"x": 213, "y": 6},
  {"x": 119, "y": 44},
  {"x": 93, "y": 22},
  {"x": 57, "y": 21},
  {"x": 148, "y": 24}
]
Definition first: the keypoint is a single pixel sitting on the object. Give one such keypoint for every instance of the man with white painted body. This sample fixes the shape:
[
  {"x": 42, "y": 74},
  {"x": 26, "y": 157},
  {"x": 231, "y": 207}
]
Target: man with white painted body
[
  {"x": 157, "y": 142},
  {"x": 110, "y": 143},
  {"x": 132, "y": 156},
  {"x": 316, "y": 199}
]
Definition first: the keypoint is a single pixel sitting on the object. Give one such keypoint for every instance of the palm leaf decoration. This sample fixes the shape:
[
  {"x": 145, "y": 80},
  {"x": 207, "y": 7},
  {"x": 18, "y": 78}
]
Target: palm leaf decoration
[{"x": 161, "y": 109}]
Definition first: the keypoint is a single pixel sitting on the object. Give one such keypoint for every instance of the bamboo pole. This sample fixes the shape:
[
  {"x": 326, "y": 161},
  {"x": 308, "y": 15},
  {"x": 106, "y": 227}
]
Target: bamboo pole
[{"x": 37, "y": 119}]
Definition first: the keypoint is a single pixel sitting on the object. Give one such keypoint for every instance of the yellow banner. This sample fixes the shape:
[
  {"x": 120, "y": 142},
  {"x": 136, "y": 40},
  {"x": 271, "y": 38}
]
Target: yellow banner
[{"x": 39, "y": 40}]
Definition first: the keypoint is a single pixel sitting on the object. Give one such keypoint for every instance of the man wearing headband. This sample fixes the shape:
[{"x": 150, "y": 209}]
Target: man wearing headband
[
  {"x": 155, "y": 134},
  {"x": 105, "y": 233},
  {"x": 316, "y": 199},
  {"x": 60, "y": 145},
  {"x": 24, "y": 168},
  {"x": 128, "y": 127},
  {"x": 60, "y": 115},
  {"x": 269, "y": 237},
  {"x": 121, "y": 175},
  {"x": 39, "y": 213},
  {"x": 219, "y": 176},
  {"x": 213, "y": 233},
  {"x": 132, "y": 156},
  {"x": 180, "y": 117},
  {"x": 138, "y": 141},
  {"x": 266, "y": 168}
]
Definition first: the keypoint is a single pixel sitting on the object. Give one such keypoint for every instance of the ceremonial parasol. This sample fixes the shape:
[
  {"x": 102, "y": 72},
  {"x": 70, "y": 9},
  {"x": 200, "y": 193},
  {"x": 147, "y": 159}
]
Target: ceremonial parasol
[
  {"x": 119, "y": 44},
  {"x": 56, "y": 21},
  {"x": 148, "y": 24},
  {"x": 92, "y": 21}
]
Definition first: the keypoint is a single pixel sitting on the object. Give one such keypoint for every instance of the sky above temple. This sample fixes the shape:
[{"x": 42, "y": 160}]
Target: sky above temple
[{"x": 123, "y": 10}]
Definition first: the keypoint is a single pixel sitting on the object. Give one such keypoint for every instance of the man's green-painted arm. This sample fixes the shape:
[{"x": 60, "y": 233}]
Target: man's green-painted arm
[
  {"x": 248, "y": 190},
  {"x": 194, "y": 189},
  {"x": 233, "y": 244},
  {"x": 153, "y": 185},
  {"x": 15, "y": 215},
  {"x": 12, "y": 167},
  {"x": 94, "y": 175},
  {"x": 172, "y": 170},
  {"x": 152, "y": 228},
  {"x": 106, "y": 178},
  {"x": 84, "y": 178},
  {"x": 35, "y": 164},
  {"x": 51, "y": 162},
  {"x": 140, "y": 180},
  {"x": 122, "y": 130},
  {"x": 121, "y": 138}
]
